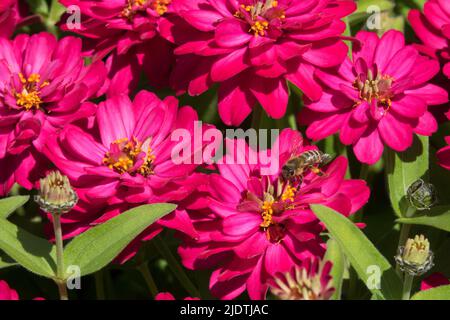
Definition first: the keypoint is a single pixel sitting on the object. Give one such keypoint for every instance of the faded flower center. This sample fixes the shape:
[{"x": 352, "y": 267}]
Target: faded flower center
[
  {"x": 134, "y": 6},
  {"x": 260, "y": 15},
  {"x": 378, "y": 87},
  {"x": 129, "y": 155},
  {"x": 303, "y": 287},
  {"x": 29, "y": 98}
]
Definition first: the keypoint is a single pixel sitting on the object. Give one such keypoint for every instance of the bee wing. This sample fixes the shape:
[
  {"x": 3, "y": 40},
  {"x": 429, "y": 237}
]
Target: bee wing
[{"x": 297, "y": 146}]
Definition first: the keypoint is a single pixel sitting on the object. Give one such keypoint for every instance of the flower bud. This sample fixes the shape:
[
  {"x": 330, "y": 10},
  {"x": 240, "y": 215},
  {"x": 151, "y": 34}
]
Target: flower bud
[
  {"x": 421, "y": 195},
  {"x": 56, "y": 196},
  {"x": 311, "y": 281},
  {"x": 415, "y": 257}
]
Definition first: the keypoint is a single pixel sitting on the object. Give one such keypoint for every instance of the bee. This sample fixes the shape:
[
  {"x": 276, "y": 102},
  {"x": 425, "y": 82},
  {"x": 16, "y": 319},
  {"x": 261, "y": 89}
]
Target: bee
[{"x": 312, "y": 160}]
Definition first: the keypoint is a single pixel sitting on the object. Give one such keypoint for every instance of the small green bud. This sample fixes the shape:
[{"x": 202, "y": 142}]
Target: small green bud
[
  {"x": 56, "y": 196},
  {"x": 415, "y": 257},
  {"x": 422, "y": 195}
]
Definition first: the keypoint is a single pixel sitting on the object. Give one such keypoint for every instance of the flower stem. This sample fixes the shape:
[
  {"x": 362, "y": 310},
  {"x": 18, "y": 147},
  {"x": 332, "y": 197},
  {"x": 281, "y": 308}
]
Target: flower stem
[
  {"x": 256, "y": 117},
  {"x": 100, "y": 285},
  {"x": 404, "y": 233},
  {"x": 407, "y": 285},
  {"x": 60, "y": 281},
  {"x": 145, "y": 272},
  {"x": 177, "y": 269}
]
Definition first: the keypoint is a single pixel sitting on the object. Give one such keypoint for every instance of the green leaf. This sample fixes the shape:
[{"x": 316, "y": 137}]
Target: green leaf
[
  {"x": 9, "y": 205},
  {"x": 361, "y": 253},
  {"x": 404, "y": 168},
  {"x": 97, "y": 247},
  {"x": 438, "y": 217},
  {"x": 6, "y": 262},
  {"x": 335, "y": 255},
  {"x": 437, "y": 293},
  {"x": 33, "y": 253}
]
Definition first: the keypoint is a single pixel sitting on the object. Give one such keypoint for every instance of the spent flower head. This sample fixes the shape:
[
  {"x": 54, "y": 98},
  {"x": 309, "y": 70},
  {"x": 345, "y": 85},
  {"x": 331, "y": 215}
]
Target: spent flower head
[
  {"x": 56, "y": 195},
  {"x": 415, "y": 257},
  {"x": 422, "y": 195}
]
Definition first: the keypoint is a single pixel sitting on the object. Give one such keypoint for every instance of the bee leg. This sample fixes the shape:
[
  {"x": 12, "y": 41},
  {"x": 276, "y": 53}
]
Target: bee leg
[{"x": 318, "y": 171}]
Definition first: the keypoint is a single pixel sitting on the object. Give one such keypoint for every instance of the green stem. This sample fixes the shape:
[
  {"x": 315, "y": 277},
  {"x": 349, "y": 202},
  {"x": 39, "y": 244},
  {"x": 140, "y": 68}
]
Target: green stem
[
  {"x": 100, "y": 285},
  {"x": 407, "y": 285},
  {"x": 256, "y": 117},
  {"x": 176, "y": 267},
  {"x": 145, "y": 272},
  {"x": 60, "y": 281},
  {"x": 404, "y": 232}
]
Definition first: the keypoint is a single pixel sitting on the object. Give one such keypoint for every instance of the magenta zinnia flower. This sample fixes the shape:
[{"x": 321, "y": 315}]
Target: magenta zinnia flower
[
  {"x": 253, "y": 226},
  {"x": 379, "y": 97},
  {"x": 251, "y": 47},
  {"x": 126, "y": 160},
  {"x": 43, "y": 86},
  {"x": 10, "y": 17},
  {"x": 434, "y": 280},
  {"x": 129, "y": 30},
  {"x": 6, "y": 293},
  {"x": 433, "y": 29},
  {"x": 169, "y": 296}
]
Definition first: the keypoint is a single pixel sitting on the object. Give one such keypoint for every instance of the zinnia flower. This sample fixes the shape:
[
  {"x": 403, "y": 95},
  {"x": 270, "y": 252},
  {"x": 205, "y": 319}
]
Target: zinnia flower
[
  {"x": 126, "y": 160},
  {"x": 9, "y": 17},
  {"x": 6, "y": 293},
  {"x": 433, "y": 29},
  {"x": 310, "y": 281},
  {"x": 129, "y": 30},
  {"x": 443, "y": 154},
  {"x": 43, "y": 86},
  {"x": 433, "y": 281},
  {"x": 255, "y": 226},
  {"x": 169, "y": 296},
  {"x": 251, "y": 47},
  {"x": 379, "y": 97}
]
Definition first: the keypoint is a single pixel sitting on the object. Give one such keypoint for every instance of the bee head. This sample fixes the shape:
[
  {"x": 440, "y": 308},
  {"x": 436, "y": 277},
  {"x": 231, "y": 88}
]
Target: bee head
[{"x": 287, "y": 172}]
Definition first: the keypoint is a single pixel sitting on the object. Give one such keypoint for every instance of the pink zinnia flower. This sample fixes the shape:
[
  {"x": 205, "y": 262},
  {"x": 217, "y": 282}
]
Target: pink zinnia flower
[
  {"x": 433, "y": 29},
  {"x": 255, "y": 226},
  {"x": 169, "y": 296},
  {"x": 251, "y": 47},
  {"x": 129, "y": 30},
  {"x": 6, "y": 293},
  {"x": 125, "y": 160},
  {"x": 443, "y": 154},
  {"x": 310, "y": 281},
  {"x": 9, "y": 17},
  {"x": 433, "y": 281},
  {"x": 379, "y": 97},
  {"x": 43, "y": 87}
]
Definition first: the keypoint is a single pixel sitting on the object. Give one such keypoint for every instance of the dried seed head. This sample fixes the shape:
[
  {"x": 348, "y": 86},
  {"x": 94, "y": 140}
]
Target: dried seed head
[
  {"x": 415, "y": 257},
  {"x": 56, "y": 196},
  {"x": 422, "y": 195}
]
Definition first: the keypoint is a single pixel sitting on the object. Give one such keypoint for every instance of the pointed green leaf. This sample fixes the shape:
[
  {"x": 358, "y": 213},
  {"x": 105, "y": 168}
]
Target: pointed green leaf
[
  {"x": 33, "y": 253},
  {"x": 438, "y": 217},
  {"x": 97, "y": 247},
  {"x": 335, "y": 255},
  {"x": 361, "y": 253},
  {"x": 404, "y": 168},
  {"x": 6, "y": 262},
  {"x": 438, "y": 293},
  {"x": 9, "y": 205}
]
